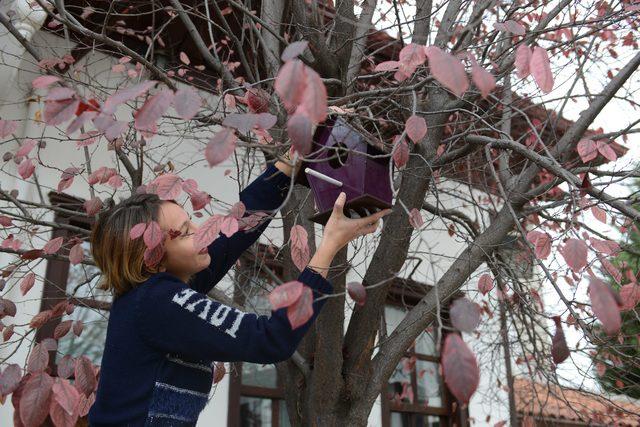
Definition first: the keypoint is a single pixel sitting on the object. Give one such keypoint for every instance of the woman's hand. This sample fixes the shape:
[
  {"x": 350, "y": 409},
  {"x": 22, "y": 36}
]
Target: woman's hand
[{"x": 340, "y": 229}]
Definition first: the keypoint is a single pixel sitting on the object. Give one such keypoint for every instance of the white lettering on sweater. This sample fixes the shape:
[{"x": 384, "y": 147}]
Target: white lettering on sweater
[{"x": 217, "y": 318}]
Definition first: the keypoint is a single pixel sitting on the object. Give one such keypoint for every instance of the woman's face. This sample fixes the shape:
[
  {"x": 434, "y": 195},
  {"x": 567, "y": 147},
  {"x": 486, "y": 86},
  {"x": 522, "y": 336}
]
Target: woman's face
[{"x": 181, "y": 258}]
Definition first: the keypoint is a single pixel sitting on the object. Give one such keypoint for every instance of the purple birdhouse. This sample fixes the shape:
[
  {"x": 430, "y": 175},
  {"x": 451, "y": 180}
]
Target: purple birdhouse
[{"x": 341, "y": 160}]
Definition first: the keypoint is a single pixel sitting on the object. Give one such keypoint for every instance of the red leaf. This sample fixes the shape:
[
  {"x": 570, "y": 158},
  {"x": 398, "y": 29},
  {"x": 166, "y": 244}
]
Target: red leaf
[
  {"x": 35, "y": 399},
  {"x": 218, "y": 372},
  {"x": 44, "y": 81},
  {"x": 415, "y": 218},
  {"x": 606, "y": 151},
  {"x": 413, "y": 55},
  {"x": 387, "y": 66},
  {"x": 147, "y": 116},
  {"x": 357, "y": 292},
  {"x": 302, "y": 310},
  {"x": 187, "y": 102},
  {"x": 290, "y": 83},
  {"x": 541, "y": 242},
  {"x": 401, "y": 153},
  {"x": 9, "y": 379},
  {"x": 447, "y": 70},
  {"x": 59, "y": 109},
  {"x": 459, "y": 368},
  {"x": 523, "y": 58},
  {"x": 26, "y": 147},
  {"x": 605, "y": 305},
  {"x": 207, "y": 232},
  {"x": 559, "y": 349},
  {"x": 40, "y": 319},
  {"x": 7, "y": 127},
  {"x": 285, "y": 294},
  {"x": 605, "y": 246},
  {"x": 300, "y": 131},
  {"x": 66, "y": 366},
  {"x": 152, "y": 235},
  {"x": 62, "y": 329},
  {"x": 575, "y": 254},
  {"x": 483, "y": 79},
  {"x": 611, "y": 269},
  {"x": 257, "y": 100},
  {"x": 294, "y": 50},
  {"x": 7, "y": 332},
  {"x": 27, "y": 283},
  {"x": 66, "y": 395},
  {"x": 300, "y": 253},
  {"x": 465, "y": 315},
  {"x": 137, "y": 230},
  {"x": 85, "y": 378},
  {"x": 26, "y": 168},
  {"x": 630, "y": 296},
  {"x": 416, "y": 128},
  {"x": 53, "y": 245},
  {"x": 485, "y": 284},
  {"x": 599, "y": 214},
  {"x": 541, "y": 69},
  {"x": 220, "y": 147},
  {"x": 76, "y": 254}
]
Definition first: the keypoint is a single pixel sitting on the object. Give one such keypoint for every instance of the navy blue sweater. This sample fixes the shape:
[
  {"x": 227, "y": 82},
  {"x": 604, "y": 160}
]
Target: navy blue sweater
[{"x": 164, "y": 336}]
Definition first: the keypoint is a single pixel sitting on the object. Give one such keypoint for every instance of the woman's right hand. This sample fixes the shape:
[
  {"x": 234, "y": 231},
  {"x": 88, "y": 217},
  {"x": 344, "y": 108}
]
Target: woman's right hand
[{"x": 340, "y": 229}]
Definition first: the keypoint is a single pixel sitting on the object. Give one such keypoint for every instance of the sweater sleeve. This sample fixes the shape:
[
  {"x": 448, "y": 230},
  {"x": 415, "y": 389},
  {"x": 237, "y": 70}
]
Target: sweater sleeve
[
  {"x": 266, "y": 192},
  {"x": 174, "y": 318}
]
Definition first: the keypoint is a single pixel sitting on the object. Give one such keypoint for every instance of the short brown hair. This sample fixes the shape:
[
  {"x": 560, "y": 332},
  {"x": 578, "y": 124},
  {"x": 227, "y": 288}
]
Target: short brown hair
[{"x": 120, "y": 258}]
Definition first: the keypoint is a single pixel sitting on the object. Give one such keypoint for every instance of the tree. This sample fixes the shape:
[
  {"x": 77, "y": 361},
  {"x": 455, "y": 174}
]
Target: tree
[
  {"x": 616, "y": 361},
  {"x": 465, "y": 101}
]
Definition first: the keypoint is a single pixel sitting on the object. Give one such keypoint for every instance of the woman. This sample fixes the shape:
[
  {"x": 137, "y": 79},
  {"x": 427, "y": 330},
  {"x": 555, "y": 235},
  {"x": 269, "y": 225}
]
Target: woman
[{"x": 164, "y": 333}]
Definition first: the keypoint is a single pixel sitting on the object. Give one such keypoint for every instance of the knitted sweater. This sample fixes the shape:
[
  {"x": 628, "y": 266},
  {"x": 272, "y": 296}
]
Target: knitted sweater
[{"x": 164, "y": 335}]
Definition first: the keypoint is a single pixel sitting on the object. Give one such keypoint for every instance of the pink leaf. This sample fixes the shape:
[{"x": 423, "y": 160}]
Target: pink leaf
[
  {"x": 416, "y": 128},
  {"x": 38, "y": 359},
  {"x": 290, "y": 83},
  {"x": 559, "y": 349},
  {"x": 299, "y": 129},
  {"x": 137, "y": 230},
  {"x": 26, "y": 168},
  {"x": 66, "y": 366},
  {"x": 415, "y": 218},
  {"x": 229, "y": 225},
  {"x": 7, "y": 127},
  {"x": 401, "y": 153},
  {"x": 465, "y": 315},
  {"x": 35, "y": 399},
  {"x": 459, "y": 368},
  {"x": 147, "y": 116},
  {"x": 44, "y": 81},
  {"x": 26, "y": 147},
  {"x": 76, "y": 254},
  {"x": 587, "y": 150},
  {"x": 541, "y": 242},
  {"x": 207, "y": 232},
  {"x": 152, "y": 235},
  {"x": 285, "y": 294},
  {"x": 53, "y": 245},
  {"x": 604, "y": 304},
  {"x": 184, "y": 58},
  {"x": 387, "y": 66},
  {"x": 168, "y": 186},
  {"x": 293, "y": 50},
  {"x": 447, "y": 70},
  {"x": 27, "y": 283},
  {"x": 483, "y": 79},
  {"x": 10, "y": 379},
  {"x": 314, "y": 97},
  {"x": 630, "y": 296},
  {"x": 85, "y": 377},
  {"x": 66, "y": 395},
  {"x": 62, "y": 329},
  {"x": 413, "y": 55},
  {"x": 302, "y": 310},
  {"x": 574, "y": 252},
  {"x": 60, "y": 106},
  {"x": 125, "y": 95},
  {"x": 510, "y": 26},
  {"x": 85, "y": 404},
  {"x": 485, "y": 284},
  {"x": 357, "y": 292},
  {"x": 599, "y": 214},
  {"x": 92, "y": 206},
  {"x": 541, "y": 69},
  {"x": 610, "y": 268},
  {"x": 220, "y": 147},
  {"x": 523, "y": 58},
  {"x": 300, "y": 252},
  {"x": 237, "y": 210},
  {"x": 187, "y": 102},
  {"x": 111, "y": 128},
  {"x": 606, "y": 151},
  {"x": 608, "y": 247}
]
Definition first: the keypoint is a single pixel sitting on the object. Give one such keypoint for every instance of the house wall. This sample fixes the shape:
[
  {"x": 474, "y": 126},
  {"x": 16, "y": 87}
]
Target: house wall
[{"x": 18, "y": 102}]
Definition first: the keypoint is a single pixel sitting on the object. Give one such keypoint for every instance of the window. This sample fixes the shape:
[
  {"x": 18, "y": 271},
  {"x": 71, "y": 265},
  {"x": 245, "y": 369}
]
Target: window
[
  {"x": 78, "y": 285},
  {"x": 256, "y": 394}
]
